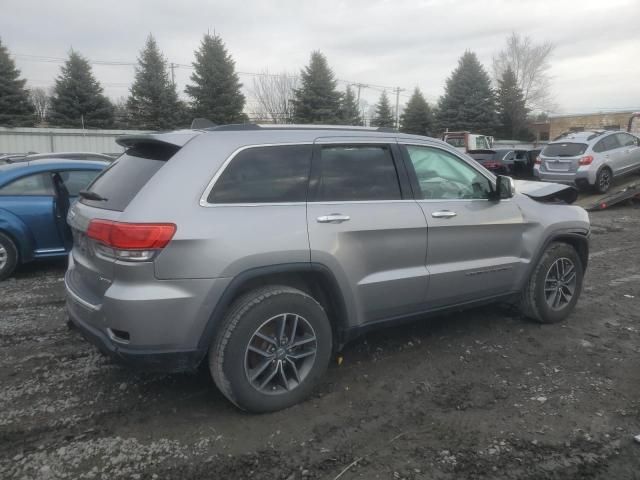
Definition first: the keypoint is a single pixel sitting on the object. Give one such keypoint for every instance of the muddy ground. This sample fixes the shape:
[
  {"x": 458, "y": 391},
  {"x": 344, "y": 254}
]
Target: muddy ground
[{"x": 480, "y": 394}]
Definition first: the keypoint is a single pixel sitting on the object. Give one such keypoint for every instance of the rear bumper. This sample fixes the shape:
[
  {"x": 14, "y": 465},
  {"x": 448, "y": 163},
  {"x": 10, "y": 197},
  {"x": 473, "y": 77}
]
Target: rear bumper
[
  {"x": 138, "y": 358},
  {"x": 92, "y": 321},
  {"x": 580, "y": 178}
]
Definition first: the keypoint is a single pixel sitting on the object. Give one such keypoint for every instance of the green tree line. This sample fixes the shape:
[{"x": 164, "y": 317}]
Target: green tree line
[{"x": 214, "y": 92}]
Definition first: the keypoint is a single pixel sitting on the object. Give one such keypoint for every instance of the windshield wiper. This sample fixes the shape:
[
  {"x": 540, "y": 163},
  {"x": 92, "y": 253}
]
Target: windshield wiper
[{"x": 92, "y": 196}]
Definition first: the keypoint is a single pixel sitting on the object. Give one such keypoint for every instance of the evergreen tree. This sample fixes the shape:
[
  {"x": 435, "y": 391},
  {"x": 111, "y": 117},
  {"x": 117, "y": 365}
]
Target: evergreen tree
[
  {"x": 215, "y": 90},
  {"x": 349, "y": 111},
  {"x": 468, "y": 102},
  {"x": 78, "y": 98},
  {"x": 153, "y": 102},
  {"x": 417, "y": 117},
  {"x": 16, "y": 109},
  {"x": 512, "y": 112},
  {"x": 383, "y": 116},
  {"x": 317, "y": 100}
]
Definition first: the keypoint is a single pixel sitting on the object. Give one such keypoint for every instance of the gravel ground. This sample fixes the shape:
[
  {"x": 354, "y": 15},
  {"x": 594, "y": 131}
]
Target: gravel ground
[{"x": 481, "y": 394}]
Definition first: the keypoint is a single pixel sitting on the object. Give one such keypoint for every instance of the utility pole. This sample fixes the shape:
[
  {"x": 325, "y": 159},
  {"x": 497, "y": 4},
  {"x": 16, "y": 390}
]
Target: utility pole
[
  {"x": 173, "y": 74},
  {"x": 360, "y": 87},
  {"x": 398, "y": 90}
]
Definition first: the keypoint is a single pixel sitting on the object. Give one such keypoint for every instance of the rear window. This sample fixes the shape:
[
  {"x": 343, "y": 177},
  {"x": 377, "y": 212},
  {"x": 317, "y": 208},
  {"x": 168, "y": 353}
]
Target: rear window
[
  {"x": 125, "y": 177},
  {"x": 564, "y": 149}
]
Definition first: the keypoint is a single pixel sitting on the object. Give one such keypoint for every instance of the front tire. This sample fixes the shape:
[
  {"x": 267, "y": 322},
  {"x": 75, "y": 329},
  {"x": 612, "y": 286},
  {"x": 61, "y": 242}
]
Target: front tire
[
  {"x": 555, "y": 285},
  {"x": 8, "y": 256},
  {"x": 273, "y": 346}
]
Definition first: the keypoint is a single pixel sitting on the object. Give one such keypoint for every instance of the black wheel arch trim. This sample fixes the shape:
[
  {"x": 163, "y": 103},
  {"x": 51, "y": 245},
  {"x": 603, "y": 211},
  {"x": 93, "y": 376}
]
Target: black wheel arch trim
[
  {"x": 335, "y": 293},
  {"x": 579, "y": 238}
]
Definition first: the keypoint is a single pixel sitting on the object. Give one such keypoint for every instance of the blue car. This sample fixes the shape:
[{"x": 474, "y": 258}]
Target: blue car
[{"x": 34, "y": 201}]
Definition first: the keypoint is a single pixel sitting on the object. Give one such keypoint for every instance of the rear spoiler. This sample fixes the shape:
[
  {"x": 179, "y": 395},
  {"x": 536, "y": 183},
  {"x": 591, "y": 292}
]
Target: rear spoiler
[{"x": 175, "y": 139}]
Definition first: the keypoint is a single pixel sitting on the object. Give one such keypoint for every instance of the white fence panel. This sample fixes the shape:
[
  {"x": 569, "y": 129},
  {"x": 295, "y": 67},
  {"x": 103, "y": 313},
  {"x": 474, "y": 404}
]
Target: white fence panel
[{"x": 45, "y": 140}]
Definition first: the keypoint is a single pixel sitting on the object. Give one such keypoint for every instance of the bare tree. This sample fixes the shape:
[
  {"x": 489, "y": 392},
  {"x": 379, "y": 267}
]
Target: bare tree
[
  {"x": 272, "y": 97},
  {"x": 41, "y": 101},
  {"x": 530, "y": 63}
]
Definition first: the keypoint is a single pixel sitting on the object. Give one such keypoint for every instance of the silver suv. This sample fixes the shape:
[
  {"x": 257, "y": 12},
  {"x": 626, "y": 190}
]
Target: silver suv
[
  {"x": 589, "y": 159},
  {"x": 262, "y": 250}
]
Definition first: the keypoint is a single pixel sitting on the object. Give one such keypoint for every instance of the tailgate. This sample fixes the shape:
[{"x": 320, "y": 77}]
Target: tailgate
[{"x": 90, "y": 274}]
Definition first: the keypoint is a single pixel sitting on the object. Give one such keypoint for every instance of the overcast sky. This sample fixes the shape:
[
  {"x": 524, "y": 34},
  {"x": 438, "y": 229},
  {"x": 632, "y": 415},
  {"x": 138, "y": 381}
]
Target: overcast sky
[{"x": 595, "y": 66}]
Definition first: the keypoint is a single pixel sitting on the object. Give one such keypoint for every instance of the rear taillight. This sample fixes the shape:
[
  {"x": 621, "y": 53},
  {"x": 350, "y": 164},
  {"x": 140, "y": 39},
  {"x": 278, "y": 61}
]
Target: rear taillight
[
  {"x": 538, "y": 160},
  {"x": 130, "y": 241},
  {"x": 586, "y": 160}
]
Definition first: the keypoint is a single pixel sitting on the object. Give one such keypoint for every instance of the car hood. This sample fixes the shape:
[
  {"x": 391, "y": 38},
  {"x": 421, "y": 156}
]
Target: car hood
[{"x": 547, "y": 192}]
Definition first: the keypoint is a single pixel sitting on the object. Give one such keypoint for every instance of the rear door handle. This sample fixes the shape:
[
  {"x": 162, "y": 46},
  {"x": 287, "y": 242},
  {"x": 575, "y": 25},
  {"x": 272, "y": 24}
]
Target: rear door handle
[
  {"x": 333, "y": 218},
  {"x": 443, "y": 214}
]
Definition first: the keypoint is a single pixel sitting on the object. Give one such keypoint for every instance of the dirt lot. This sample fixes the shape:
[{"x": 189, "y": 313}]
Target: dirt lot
[{"x": 480, "y": 394}]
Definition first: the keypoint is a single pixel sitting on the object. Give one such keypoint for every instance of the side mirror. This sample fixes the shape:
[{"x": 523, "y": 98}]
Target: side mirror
[{"x": 505, "y": 187}]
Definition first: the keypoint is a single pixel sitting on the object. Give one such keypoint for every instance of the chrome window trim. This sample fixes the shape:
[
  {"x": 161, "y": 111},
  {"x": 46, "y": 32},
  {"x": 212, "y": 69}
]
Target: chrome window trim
[{"x": 319, "y": 141}]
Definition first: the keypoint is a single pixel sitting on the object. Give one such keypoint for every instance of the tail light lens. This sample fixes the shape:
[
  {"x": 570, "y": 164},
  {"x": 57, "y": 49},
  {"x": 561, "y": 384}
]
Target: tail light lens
[
  {"x": 538, "y": 160},
  {"x": 130, "y": 241},
  {"x": 586, "y": 160}
]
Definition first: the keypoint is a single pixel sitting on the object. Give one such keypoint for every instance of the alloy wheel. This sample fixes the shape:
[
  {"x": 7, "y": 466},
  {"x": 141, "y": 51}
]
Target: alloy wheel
[
  {"x": 4, "y": 256},
  {"x": 605, "y": 180},
  {"x": 280, "y": 354},
  {"x": 560, "y": 283}
]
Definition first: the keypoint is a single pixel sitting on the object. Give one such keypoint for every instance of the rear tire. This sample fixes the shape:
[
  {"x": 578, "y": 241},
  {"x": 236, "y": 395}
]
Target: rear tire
[
  {"x": 8, "y": 256},
  {"x": 254, "y": 357},
  {"x": 603, "y": 180},
  {"x": 555, "y": 285}
]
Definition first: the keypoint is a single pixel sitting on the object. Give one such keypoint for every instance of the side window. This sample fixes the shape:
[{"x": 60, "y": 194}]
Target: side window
[
  {"x": 442, "y": 175},
  {"x": 626, "y": 140},
  {"x": 77, "y": 180},
  {"x": 275, "y": 174},
  {"x": 37, "y": 184},
  {"x": 352, "y": 173},
  {"x": 607, "y": 143}
]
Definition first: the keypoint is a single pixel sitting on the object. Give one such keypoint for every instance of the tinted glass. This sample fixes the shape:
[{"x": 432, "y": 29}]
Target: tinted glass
[
  {"x": 38, "y": 184},
  {"x": 564, "y": 149},
  {"x": 77, "y": 180},
  {"x": 607, "y": 143},
  {"x": 442, "y": 175},
  {"x": 627, "y": 140},
  {"x": 352, "y": 173},
  {"x": 122, "y": 180},
  {"x": 265, "y": 175}
]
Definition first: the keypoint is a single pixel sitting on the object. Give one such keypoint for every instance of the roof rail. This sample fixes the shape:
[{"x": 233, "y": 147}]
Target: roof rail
[{"x": 310, "y": 126}]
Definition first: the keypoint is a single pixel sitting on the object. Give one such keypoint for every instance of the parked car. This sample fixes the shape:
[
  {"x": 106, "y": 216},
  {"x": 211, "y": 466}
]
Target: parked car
[
  {"x": 265, "y": 249},
  {"x": 34, "y": 200},
  {"x": 501, "y": 162},
  {"x": 589, "y": 159}
]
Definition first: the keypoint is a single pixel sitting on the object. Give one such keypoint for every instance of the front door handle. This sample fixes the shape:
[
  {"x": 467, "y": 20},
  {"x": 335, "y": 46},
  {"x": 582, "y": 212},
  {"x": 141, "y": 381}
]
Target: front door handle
[
  {"x": 443, "y": 214},
  {"x": 333, "y": 218}
]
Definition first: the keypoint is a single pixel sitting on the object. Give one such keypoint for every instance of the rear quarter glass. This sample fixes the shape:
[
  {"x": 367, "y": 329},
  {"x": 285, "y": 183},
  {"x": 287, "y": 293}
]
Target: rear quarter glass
[{"x": 125, "y": 177}]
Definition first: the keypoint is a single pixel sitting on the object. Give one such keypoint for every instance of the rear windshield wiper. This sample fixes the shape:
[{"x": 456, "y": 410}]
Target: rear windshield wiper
[{"x": 92, "y": 196}]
